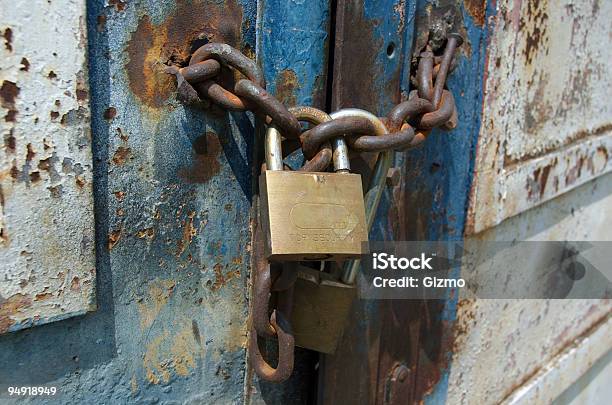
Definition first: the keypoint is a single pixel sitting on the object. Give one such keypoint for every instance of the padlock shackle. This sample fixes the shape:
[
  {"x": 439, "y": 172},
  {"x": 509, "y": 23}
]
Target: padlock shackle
[
  {"x": 274, "y": 150},
  {"x": 341, "y": 156},
  {"x": 377, "y": 182}
]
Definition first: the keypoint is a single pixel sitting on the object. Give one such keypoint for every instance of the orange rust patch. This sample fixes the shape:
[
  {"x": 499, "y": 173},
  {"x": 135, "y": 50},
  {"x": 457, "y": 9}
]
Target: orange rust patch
[
  {"x": 204, "y": 165},
  {"x": 222, "y": 279},
  {"x": 151, "y": 46},
  {"x": 121, "y": 155},
  {"x": 118, "y": 4},
  {"x": 533, "y": 21},
  {"x": 147, "y": 233},
  {"x": 11, "y": 307},
  {"x": 477, "y": 10},
  {"x": 189, "y": 231},
  {"x": 119, "y": 195},
  {"x": 113, "y": 238},
  {"x": 75, "y": 284},
  {"x": 43, "y": 297},
  {"x": 286, "y": 86}
]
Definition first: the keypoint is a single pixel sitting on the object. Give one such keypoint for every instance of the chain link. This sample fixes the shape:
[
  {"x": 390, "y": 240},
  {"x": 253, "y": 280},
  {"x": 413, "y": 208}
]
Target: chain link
[{"x": 406, "y": 126}]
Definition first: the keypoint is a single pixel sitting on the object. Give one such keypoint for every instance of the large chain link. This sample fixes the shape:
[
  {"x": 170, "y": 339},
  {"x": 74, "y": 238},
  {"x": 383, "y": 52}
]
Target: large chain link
[{"x": 407, "y": 125}]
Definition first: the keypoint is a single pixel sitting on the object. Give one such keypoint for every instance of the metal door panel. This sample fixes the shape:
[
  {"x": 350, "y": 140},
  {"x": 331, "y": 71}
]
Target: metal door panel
[
  {"x": 172, "y": 189},
  {"x": 428, "y": 204},
  {"x": 546, "y": 116},
  {"x": 47, "y": 263}
]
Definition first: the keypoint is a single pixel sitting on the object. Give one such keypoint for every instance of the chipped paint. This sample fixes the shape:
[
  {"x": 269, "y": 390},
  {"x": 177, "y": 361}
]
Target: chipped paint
[
  {"x": 477, "y": 10},
  {"x": 546, "y": 106},
  {"x": 46, "y": 200},
  {"x": 525, "y": 341},
  {"x": 150, "y": 203}
]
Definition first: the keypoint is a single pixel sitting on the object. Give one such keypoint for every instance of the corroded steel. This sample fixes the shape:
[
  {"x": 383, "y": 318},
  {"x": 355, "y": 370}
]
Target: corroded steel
[
  {"x": 267, "y": 104},
  {"x": 453, "y": 42},
  {"x": 198, "y": 72},
  {"x": 376, "y": 187},
  {"x": 47, "y": 262},
  {"x": 327, "y": 131},
  {"x": 229, "y": 56},
  {"x": 286, "y": 347},
  {"x": 425, "y": 75},
  {"x": 321, "y": 160},
  {"x": 438, "y": 117}
]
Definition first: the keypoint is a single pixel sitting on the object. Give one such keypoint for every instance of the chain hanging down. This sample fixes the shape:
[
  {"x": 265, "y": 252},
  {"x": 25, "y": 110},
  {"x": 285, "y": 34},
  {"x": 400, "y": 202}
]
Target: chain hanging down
[{"x": 406, "y": 126}]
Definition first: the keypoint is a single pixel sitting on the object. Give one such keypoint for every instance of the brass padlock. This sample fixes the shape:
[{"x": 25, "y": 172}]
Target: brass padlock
[
  {"x": 310, "y": 215},
  {"x": 323, "y": 300}
]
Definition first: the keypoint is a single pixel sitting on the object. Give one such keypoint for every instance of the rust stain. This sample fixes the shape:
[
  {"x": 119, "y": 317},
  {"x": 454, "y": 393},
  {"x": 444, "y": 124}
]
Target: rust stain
[
  {"x": 575, "y": 172},
  {"x": 25, "y": 65},
  {"x": 477, "y": 10},
  {"x": 35, "y": 177},
  {"x": 75, "y": 284},
  {"x": 151, "y": 47},
  {"x": 184, "y": 351},
  {"x": 113, "y": 238},
  {"x": 121, "y": 155},
  {"x": 10, "y": 143},
  {"x": 30, "y": 153},
  {"x": 8, "y": 93},
  {"x": 156, "y": 371},
  {"x": 222, "y": 279},
  {"x": 534, "y": 22},
  {"x": 147, "y": 233},
  {"x": 204, "y": 160},
  {"x": 118, "y": 4},
  {"x": 287, "y": 85},
  {"x": 10, "y": 307},
  {"x": 160, "y": 292},
  {"x": 43, "y": 296},
  {"x": 168, "y": 353},
  {"x": 538, "y": 184},
  {"x": 110, "y": 113},
  {"x": 119, "y": 195},
  {"x": 8, "y": 39},
  {"x": 101, "y": 22},
  {"x": 189, "y": 231}
]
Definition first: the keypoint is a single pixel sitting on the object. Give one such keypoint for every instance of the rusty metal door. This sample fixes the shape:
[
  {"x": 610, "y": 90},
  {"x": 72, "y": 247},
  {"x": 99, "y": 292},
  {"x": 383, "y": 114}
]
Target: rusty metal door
[{"x": 125, "y": 216}]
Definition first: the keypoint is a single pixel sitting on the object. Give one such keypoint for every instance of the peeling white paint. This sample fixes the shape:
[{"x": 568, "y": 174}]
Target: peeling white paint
[
  {"x": 46, "y": 219},
  {"x": 517, "y": 349},
  {"x": 547, "y": 118}
]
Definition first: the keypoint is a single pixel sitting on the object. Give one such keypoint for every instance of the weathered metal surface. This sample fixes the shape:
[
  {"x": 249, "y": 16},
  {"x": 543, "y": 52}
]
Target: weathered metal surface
[
  {"x": 592, "y": 386},
  {"x": 47, "y": 264},
  {"x": 546, "y": 117},
  {"x": 292, "y": 50},
  {"x": 172, "y": 198},
  {"x": 370, "y": 46},
  {"x": 529, "y": 351}
]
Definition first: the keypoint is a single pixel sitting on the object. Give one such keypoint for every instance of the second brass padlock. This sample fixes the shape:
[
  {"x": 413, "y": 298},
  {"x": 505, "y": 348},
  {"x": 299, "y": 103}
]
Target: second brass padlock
[{"x": 310, "y": 215}]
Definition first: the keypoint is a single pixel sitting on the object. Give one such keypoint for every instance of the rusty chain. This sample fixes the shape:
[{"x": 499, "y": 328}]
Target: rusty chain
[{"x": 429, "y": 106}]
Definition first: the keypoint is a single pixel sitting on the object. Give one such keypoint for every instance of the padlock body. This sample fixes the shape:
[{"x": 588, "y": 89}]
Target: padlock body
[{"x": 312, "y": 216}]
